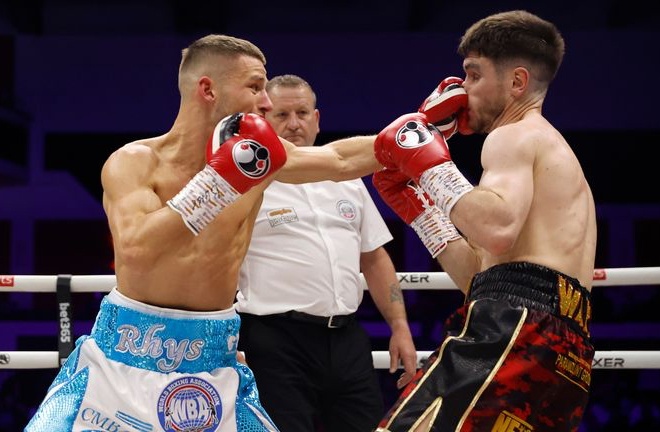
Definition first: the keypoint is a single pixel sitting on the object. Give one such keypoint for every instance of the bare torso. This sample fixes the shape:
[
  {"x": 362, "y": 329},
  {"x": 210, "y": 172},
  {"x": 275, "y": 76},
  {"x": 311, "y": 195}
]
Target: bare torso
[
  {"x": 167, "y": 265},
  {"x": 559, "y": 230}
]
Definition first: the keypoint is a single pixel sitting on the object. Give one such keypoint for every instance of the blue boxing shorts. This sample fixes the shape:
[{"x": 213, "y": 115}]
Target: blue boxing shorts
[{"x": 145, "y": 368}]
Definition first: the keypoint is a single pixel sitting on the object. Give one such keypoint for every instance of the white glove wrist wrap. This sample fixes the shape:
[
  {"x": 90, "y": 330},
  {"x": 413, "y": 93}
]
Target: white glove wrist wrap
[
  {"x": 203, "y": 198},
  {"x": 435, "y": 230},
  {"x": 445, "y": 185}
]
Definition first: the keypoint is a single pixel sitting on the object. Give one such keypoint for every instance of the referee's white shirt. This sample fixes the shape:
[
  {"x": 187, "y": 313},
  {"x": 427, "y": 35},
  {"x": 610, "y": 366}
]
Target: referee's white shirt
[{"x": 305, "y": 249}]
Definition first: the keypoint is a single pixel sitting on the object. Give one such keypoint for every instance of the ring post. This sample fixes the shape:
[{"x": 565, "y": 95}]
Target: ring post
[{"x": 65, "y": 318}]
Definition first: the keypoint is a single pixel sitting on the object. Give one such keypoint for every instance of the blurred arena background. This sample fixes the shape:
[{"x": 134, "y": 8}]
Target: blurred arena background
[{"x": 78, "y": 79}]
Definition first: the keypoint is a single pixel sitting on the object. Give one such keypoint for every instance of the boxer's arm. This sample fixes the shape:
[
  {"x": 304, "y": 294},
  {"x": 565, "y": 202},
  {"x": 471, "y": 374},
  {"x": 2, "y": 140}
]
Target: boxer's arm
[
  {"x": 493, "y": 213},
  {"x": 340, "y": 160},
  {"x": 436, "y": 231},
  {"x": 416, "y": 209},
  {"x": 136, "y": 215},
  {"x": 461, "y": 261},
  {"x": 242, "y": 152}
]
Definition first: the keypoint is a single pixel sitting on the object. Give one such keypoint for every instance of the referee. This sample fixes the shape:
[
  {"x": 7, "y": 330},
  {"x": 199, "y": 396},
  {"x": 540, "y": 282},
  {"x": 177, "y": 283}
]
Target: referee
[{"x": 300, "y": 287}]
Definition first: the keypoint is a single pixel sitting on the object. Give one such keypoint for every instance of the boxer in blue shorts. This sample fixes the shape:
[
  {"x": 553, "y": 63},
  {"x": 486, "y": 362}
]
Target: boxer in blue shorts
[
  {"x": 188, "y": 360},
  {"x": 181, "y": 207}
]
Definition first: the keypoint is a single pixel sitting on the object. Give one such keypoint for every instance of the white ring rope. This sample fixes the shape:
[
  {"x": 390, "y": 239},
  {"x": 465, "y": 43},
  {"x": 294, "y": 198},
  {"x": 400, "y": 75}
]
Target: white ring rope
[
  {"x": 435, "y": 280},
  {"x": 408, "y": 280},
  {"x": 602, "y": 359}
]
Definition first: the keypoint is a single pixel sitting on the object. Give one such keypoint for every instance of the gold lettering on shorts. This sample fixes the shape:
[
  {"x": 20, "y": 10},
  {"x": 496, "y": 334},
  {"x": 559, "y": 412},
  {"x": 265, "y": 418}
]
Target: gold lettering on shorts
[
  {"x": 507, "y": 422},
  {"x": 573, "y": 305},
  {"x": 575, "y": 369}
]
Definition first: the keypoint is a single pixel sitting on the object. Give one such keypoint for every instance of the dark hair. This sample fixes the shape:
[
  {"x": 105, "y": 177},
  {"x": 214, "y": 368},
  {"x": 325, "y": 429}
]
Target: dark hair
[{"x": 516, "y": 35}]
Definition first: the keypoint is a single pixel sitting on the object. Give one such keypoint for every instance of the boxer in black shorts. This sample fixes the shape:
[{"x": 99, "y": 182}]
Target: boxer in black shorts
[
  {"x": 520, "y": 341},
  {"x": 521, "y": 244}
]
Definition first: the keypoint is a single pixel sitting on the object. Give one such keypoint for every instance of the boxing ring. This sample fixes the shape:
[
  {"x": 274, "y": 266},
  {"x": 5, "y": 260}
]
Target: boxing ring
[{"x": 65, "y": 285}]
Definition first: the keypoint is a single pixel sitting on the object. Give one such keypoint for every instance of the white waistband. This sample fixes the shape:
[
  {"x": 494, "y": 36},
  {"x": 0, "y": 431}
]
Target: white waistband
[{"x": 119, "y": 299}]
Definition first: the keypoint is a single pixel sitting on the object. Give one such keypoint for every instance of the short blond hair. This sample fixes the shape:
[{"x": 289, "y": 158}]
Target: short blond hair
[{"x": 201, "y": 51}]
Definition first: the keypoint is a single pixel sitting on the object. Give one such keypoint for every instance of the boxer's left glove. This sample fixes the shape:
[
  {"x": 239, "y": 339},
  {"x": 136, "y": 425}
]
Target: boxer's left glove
[
  {"x": 446, "y": 107},
  {"x": 241, "y": 153},
  {"x": 419, "y": 151},
  {"x": 244, "y": 149},
  {"x": 416, "y": 209}
]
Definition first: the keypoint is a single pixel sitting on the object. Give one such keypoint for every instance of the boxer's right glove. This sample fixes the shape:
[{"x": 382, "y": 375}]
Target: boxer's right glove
[
  {"x": 419, "y": 151},
  {"x": 414, "y": 207},
  {"x": 446, "y": 107},
  {"x": 242, "y": 151}
]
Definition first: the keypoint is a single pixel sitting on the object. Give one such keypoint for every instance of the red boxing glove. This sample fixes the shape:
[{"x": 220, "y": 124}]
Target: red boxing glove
[
  {"x": 421, "y": 153},
  {"x": 245, "y": 149},
  {"x": 400, "y": 194},
  {"x": 444, "y": 104},
  {"x": 409, "y": 145},
  {"x": 416, "y": 209},
  {"x": 462, "y": 122},
  {"x": 242, "y": 151}
]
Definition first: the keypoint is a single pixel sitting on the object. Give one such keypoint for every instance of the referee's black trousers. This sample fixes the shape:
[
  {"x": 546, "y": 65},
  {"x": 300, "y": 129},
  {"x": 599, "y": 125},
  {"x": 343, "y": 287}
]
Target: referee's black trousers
[{"x": 311, "y": 377}]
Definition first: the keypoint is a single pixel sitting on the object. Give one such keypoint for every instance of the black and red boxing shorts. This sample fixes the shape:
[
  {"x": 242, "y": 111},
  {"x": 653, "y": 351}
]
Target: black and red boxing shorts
[{"x": 515, "y": 358}]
